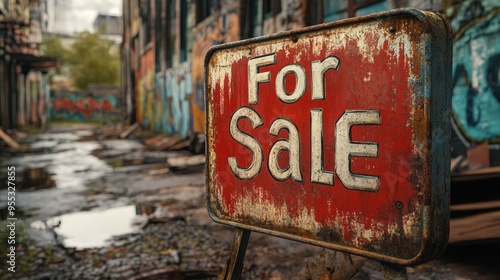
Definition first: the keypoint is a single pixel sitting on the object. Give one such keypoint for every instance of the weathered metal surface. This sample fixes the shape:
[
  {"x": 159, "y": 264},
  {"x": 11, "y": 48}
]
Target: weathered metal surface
[{"x": 335, "y": 135}]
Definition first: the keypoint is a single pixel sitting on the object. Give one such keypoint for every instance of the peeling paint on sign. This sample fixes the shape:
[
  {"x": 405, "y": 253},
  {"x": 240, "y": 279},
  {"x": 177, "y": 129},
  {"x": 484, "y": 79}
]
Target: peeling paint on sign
[{"x": 327, "y": 135}]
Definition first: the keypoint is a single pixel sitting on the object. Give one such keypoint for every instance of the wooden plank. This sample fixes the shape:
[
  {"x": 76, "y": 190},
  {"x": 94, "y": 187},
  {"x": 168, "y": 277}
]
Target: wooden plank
[
  {"x": 8, "y": 140},
  {"x": 471, "y": 175},
  {"x": 476, "y": 206},
  {"x": 129, "y": 130},
  {"x": 180, "y": 162},
  {"x": 475, "y": 228},
  {"x": 456, "y": 163}
]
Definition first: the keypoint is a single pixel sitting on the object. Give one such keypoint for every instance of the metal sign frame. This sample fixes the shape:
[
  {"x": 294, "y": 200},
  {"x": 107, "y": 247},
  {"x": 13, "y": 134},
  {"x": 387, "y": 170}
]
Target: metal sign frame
[{"x": 387, "y": 195}]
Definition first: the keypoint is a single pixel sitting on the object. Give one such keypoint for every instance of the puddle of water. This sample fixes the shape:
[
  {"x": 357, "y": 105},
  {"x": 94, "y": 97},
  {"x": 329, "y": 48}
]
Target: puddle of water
[
  {"x": 29, "y": 179},
  {"x": 125, "y": 162},
  {"x": 63, "y": 136},
  {"x": 92, "y": 229},
  {"x": 35, "y": 179},
  {"x": 122, "y": 144},
  {"x": 120, "y": 158},
  {"x": 70, "y": 163},
  {"x": 44, "y": 144},
  {"x": 84, "y": 133}
]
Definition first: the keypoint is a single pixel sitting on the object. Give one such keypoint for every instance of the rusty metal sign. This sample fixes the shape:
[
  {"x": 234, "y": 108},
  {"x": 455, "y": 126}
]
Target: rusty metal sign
[{"x": 336, "y": 135}]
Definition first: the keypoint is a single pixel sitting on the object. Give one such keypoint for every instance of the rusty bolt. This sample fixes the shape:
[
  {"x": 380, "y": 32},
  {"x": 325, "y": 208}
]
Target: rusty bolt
[
  {"x": 295, "y": 38},
  {"x": 399, "y": 204},
  {"x": 392, "y": 29}
]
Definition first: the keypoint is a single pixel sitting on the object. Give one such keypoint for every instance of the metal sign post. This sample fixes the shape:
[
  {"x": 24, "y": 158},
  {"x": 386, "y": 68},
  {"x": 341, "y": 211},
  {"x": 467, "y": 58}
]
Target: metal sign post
[
  {"x": 234, "y": 265},
  {"x": 336, "y": 135}
]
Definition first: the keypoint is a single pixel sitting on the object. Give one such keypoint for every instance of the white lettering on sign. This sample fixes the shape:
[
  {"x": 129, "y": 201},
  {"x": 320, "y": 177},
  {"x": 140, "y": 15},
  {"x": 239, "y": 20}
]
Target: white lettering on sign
[
  {"x": 293, "y": 147},
  {"x": 254, "y": 78},
  {"x": 344, "y": 147},
  {"x": 319, "y": 69},
  {"x": 300, "y": 86},
  {"x": 317, "y": 173},
  {"x": 247, "y": 141}
]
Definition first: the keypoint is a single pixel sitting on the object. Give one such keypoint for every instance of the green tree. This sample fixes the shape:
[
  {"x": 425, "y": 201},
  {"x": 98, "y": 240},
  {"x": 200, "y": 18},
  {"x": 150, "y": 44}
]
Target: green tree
[
  {"x": 52, "y": 46},
  {"x": 94, "y": 61}
]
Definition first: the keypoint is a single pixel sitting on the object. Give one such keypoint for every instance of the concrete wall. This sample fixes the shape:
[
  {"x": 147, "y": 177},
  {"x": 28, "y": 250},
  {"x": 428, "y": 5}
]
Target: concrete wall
[
  {"x": 23, "y": 78},
  {"x": 32, "y": 98},
  {"x": 222, "y": 27},
  {"x": 146, "y": 90},
  {"x": 162, "y": 94},
  {"x": 171, "y": 99},
  {"x": 171, "y": 112},
  {"x": 290, "y": 17},
  {"x": 476, "y": 71},
  {"x": 172, "y": 108},
  {"x": 85, "y": 106}
]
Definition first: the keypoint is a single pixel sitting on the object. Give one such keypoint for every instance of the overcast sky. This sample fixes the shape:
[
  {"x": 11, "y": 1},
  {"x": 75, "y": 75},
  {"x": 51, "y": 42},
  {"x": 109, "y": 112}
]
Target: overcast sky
[{"x": 83, "y": 13}]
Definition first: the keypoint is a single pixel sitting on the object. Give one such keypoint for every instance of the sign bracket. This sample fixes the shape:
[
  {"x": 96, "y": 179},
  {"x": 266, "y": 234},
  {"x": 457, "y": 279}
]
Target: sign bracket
[
  {"x": 234, "y": 265},
  {"x": 329, "y": 264}
]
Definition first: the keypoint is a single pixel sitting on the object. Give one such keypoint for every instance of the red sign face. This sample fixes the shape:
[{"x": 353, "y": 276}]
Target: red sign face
[{"x": 336, "y": 135}]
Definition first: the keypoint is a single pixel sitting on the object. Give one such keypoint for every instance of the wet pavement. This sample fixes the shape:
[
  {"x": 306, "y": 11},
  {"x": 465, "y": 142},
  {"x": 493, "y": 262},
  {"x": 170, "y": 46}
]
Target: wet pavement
[
  {"x": 67, "y": 183},
  {"x": 90, "y": 229},
  {"x": 91, "y": 208}
]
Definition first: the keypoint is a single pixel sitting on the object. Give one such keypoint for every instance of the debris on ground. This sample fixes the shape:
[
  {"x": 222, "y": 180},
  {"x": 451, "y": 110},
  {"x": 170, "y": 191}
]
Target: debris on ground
[
  {"x": 9, "y": 141},
  {"x": 129, "y": 130},
  {"x": 107, "y": 132},
  {"x": 176, "y": 238},
  {"x": 186, "y": 161},
  {"x": 166, "y": 143}
]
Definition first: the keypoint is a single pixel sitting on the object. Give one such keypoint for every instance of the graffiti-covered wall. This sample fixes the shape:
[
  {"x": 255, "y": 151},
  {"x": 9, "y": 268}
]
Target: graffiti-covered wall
[
  {"x": 77, "y": 105},
  {"x": 289, "y": 14},
  {"x": 33, "y": 98},
  {"x": 146, "y": 90},
  {"x": 169, "y": 78},
  {"x": 23, "y": 70},
  {"x": 163, "y": 101},
  {"x": 162, "y": 86},
  {"x": 475, "y": 69},
  {"x": 172, "y": 106},
  {"x": 222, "y": 27},
  {"x": 163, "y": 98},
  {"x": 476, "y": 73}
]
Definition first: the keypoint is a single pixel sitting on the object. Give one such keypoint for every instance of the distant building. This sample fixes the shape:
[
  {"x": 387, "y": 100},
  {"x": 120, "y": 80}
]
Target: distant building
[
  {"x": 109, "y": 26},
  {"x": 55, "y": 16},
  {"x": 24, "y": 85}
]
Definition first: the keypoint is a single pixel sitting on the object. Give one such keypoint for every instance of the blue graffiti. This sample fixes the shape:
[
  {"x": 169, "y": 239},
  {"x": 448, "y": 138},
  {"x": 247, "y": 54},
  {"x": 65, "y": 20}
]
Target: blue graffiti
[
  {"x": 199, "y": 98},
  {"x": 159, "y": 80},
  {"x": 173, "y": 107},
  {"x": 476, "y": 65}
]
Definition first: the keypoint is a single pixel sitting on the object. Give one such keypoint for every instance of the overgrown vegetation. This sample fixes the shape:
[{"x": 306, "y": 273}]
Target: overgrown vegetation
[
  {"x": 90, "y": 59},
  {"x": 24, "y": 253}
]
